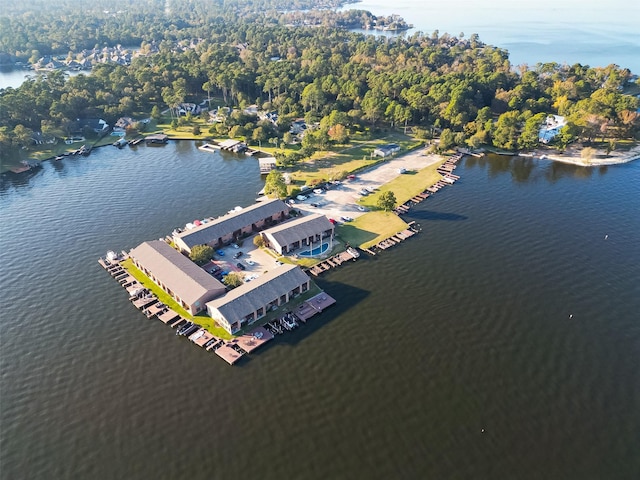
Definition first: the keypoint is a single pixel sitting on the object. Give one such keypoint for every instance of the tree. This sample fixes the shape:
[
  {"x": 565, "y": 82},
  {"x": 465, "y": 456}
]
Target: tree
[
  {"x": 506, "y": 132},
  {"x": 201, "y": 254},
  {"x": 196, "y": 130},
  {"x": 387, "y": 201},
  {"x": 587, "y": 154},
  {"x": 530, "y": 136},
  {"x": 155, "y": 112},
  {"x": 447, "y": 139},
  {"x": 288, "y": 138},
  {"x": 233, "y": 280},
  {"x": 258, "y": 241},
  {"x": 274, "y": 185}
]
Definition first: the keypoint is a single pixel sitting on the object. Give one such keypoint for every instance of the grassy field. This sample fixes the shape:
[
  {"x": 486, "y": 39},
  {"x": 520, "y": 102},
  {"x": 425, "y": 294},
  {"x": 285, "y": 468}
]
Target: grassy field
[
  {"x": 405, "y": 186},
  {"x": 371, "y": 228},
  {"x": 326, "y": 165},
  {"x": 201, "y": 319}
]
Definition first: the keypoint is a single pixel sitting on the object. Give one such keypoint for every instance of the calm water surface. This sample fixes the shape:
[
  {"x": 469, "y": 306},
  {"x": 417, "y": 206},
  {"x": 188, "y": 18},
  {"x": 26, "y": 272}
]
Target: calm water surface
[
  {"x": 453, "y": 356},
  {"x": 562, "y": 31}
]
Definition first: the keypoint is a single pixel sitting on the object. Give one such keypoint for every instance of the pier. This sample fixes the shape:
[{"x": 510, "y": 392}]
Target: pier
[
  {"x": 334, "y": 261},
  {"x": 448, "y": 178},
  {"x": 229, "y": 350}
]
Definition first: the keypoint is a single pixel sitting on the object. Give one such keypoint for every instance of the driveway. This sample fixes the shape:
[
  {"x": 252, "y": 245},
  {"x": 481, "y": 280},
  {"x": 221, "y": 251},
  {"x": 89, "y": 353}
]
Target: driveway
[{"x": 341, "y": 201}]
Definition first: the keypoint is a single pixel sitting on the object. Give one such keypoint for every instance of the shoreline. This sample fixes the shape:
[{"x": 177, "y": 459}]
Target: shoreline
[{"x": 573, "y": 156}]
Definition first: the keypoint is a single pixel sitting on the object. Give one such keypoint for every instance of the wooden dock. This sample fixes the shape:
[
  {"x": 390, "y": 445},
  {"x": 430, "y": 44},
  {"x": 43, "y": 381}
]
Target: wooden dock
[
  {"x": 349, "y": 254},
  {"x": 228, "y": 354},
  {"x": 448, "y": 178}
]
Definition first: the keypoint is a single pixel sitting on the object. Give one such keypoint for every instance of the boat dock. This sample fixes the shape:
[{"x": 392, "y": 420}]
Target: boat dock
[
  {"x": 235, "y": 146},
  {"x": 303, "y": 312},
  {"x": 209, "y": 147},
  {"x": 335, "y": 261},
  {"x": 448, "y": 178},
  {"x": 394, "y": 239},
  {"x": 229, "y": 350}
]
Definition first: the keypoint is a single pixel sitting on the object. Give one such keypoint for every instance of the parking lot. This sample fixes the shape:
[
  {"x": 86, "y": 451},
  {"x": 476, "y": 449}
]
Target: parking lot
[
  {"x": 341, "y": 200},
  {"x": 254, "y": 260}
]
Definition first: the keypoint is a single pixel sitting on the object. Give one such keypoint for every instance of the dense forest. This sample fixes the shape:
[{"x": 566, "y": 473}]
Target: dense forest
[{"x": 261, "y": 52}]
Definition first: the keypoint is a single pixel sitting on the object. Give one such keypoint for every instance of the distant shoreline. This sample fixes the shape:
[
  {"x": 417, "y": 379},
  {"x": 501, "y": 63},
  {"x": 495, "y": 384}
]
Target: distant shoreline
[{"x": 601, "y": 158}]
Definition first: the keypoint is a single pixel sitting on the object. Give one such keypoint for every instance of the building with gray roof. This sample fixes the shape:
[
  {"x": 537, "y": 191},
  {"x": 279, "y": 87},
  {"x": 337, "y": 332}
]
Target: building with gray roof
[
  {"x": 188, "y": 284},
  {"x": 233, "y": 226},
  {"x": 251, "y": 301},
  {"x": 306, "y": 231}
]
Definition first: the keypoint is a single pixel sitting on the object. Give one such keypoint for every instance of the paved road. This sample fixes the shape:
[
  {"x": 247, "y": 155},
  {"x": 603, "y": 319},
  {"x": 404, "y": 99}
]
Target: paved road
[{"x": 341, "y": 201}]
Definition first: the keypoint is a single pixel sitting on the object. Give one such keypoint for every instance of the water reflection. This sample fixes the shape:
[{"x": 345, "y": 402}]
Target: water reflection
[
  {"x": 557, "y": 171},
  {"x": 529, "y": 169}
]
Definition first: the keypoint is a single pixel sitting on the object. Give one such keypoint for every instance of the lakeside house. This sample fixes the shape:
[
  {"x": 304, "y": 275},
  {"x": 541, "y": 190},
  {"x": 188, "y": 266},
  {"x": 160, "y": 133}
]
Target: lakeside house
[
  {"x": 123, "y": 123},
  {"x": 231, "y": 227},
  {"x": 251, "y": 301},
  {"x": 304, "y": 231},
  {"x": 386, "y": 150},
  {"x": 97, "y": 125},
  {"x": 188, "y": 284},
  {"x": 298, "y": 126},
  {"x": 551, "y": 128}
]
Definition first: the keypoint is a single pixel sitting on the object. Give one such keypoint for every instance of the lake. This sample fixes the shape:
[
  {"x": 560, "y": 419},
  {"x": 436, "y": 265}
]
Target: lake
[
  {"x": 564, "y": 31},
  {"x": 501, "y": 342}
]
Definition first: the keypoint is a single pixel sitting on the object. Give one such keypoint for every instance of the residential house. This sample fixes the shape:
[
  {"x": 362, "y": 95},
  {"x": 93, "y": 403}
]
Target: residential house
[
  {"x": 251, "y": 110},
  {"x": 386, "y": 150},
  {"x": 247, "y": 303},
  {"x": 306, "y": 231},
  {"x": 298, "y": 126},
  {"x": 97, "y": 125},
  {"x": 123, "y": 124},
  {"x": 231, "y": 227},
  {"x": 551, "y": 128},
  {"x": 188, "y": 284}
]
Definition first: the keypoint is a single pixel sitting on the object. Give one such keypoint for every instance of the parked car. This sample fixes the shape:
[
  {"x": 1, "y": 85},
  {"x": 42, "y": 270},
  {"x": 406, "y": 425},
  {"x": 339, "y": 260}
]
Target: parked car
[
  {"x": 318, "y": 191},
  {"x": 220, "y": 252},
  {"x": 301, "y": 198},
  {"x": 240, "y": 266},
  {"x": 362, "y": 209},
  {"x": 237, "y": 255},
  {"x": 250, "y": 262}
]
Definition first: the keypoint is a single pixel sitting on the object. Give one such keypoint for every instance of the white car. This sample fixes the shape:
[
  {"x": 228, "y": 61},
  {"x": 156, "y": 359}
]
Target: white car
[
  {"x": 318, "y": 191},
  {"x": 360, "y": 207},
  {"x": 250, "y": 262},
  {"x": 301, "y": 198}
]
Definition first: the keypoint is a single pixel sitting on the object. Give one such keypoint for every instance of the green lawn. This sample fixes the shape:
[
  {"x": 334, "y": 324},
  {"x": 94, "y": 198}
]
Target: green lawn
[
  {"x": 325, "y": 165},
  {"x": 371, "y": 228},
  {"x": 201, "y": 319},
  {"x": 406, "y": 186}
]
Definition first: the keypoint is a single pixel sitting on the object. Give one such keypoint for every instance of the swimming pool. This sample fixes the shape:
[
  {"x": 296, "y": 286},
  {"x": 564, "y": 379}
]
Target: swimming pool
[{"x": 316, "y": 251}]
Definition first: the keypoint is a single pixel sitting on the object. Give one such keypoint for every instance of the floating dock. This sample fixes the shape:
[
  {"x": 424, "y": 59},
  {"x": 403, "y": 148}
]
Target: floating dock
[{"x": 229, "y": 350}]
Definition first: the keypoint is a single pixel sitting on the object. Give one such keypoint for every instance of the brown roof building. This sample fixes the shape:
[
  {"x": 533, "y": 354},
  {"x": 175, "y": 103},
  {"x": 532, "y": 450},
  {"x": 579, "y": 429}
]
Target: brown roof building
[
  {"x": 251, "y": 301},
  {"x": 306, "y": 231},
  {"x": 233, "y": 226},
  {"x": 187, "y": 283}
]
